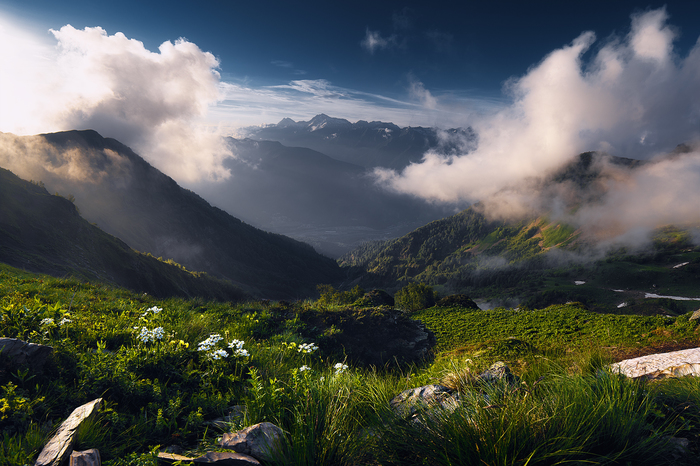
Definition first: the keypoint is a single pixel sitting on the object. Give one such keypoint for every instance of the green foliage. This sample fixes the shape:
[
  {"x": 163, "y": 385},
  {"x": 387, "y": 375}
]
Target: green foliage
[
  {"x": 415, "y": 296},
  {"x": 332, "y": 297}
]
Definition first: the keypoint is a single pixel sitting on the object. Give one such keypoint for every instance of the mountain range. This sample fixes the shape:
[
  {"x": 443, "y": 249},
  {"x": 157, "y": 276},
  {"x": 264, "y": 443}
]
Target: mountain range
[{"x": 369, "y": 144}]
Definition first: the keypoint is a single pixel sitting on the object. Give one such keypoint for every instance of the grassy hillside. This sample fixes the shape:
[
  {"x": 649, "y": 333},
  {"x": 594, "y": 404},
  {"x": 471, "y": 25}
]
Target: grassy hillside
[
  {"x": 45, "y": 233},
  {"x": 160, "y": 367}
]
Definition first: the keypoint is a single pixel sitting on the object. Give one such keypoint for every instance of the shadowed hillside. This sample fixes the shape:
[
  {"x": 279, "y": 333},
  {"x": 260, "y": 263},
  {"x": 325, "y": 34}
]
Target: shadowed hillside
[
  {"x": 128, "y": 198},
  {"x": 45, "y": 233}
]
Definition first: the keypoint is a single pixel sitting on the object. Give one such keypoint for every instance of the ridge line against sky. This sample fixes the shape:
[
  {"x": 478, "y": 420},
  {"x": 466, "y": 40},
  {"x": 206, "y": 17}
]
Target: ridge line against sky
[{"x": 401, "y": 62}]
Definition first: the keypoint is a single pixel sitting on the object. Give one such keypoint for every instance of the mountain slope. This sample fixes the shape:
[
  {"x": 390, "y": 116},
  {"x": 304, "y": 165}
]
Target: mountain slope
[
  {"x": 45, "y": 233},
  {"x": 127, "y": 197},
  {"x": 305, "y": 194},
  {"x": 370, "y": 144}
]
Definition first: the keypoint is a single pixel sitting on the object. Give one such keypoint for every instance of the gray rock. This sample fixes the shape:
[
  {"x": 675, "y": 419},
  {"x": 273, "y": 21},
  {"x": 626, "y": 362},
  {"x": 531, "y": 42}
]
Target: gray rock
[
  {"x": 20, "y": 352},
  {"x": 171, "y": 458},
  {"x": 262, "y": 441},
  {"x": 411, "y": 401},
  {"x": 226, "y": 459},
  {"x": 498, "y": 372},
  {"x": 61, "y": 444},
  {"x": 86, "y": 458},
  {"x": 696, "y": 315}
]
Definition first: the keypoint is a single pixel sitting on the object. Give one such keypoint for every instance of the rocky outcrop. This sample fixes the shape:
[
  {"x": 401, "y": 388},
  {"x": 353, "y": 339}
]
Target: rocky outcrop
[
  {"x": 411, "y": 401},
  {"x": 20, "y": 353},
  {"x": 60, "y": 446},
  {"x": 85, "y": 458},
  {"x": 656, "y": 366},
  {"x": 263, "y": 441}
]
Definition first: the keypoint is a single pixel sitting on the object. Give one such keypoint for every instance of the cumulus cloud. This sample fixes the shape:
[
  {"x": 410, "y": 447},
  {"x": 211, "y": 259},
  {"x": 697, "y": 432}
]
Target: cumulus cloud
[
  {"x": 632, "y": 97},
  {"x": 151, "y": 101}
]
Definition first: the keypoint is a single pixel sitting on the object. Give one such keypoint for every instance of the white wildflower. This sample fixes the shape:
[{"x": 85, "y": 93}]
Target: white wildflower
[
  {"x": 340, "y": 368},
  {"x": 307, "y": 348},
  {"x": 148, "y": 336},
  {"x": 241, "y": 353},
  {"x": 304, "y": 368},
  {"x": 210, "y": 342},
  {"x": 236, "y": 344},
  {"x": 65, "y": 320},
  {"x": 47, "y": 321},
  {"x": 218, "y": 354}
]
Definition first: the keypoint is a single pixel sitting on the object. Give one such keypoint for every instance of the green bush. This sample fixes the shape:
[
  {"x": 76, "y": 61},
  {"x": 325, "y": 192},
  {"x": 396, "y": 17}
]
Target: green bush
[{"x": 415, "y": 296}]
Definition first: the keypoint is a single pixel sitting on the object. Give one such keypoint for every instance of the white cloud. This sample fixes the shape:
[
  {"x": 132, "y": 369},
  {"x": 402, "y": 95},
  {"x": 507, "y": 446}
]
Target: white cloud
[
  {"x": 374, "y": 41},
  {"x": 417, "y": 90},
  {"x": 149, "y": 100},
  {"x": 634, "y": 98}
]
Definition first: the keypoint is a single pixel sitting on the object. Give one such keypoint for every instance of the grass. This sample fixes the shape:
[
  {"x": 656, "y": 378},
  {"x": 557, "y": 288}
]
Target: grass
[{"x": 167, "y": 390}]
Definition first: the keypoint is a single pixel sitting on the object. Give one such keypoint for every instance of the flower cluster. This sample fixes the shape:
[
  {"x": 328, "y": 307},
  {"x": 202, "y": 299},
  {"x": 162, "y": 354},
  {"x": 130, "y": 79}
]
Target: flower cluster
[
  {"x": 218, "y": 354},
  {"x": 210, "y": 342},
  {"x": 340, "y": 368},
  {"x": 304, "y": 368},
  {"x": 65, "y": 320},
  {"x": 154, "y": 310},
  {"x": 47, "y": 321},
  {"x": 307, "y": 348},
  {"x": 147, "y": 336},
  {"x": 238, "y": 350}
]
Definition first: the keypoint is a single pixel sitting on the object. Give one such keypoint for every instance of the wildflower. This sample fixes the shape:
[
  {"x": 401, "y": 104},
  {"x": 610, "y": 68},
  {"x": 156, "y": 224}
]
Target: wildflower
[
  {"x": 147, "y": 336},
  {"x": 47, "y": 321},
  {"x": 236, "y": 344},
  {"x": 155, "y": 310},
  {"x": 210, "y": 342},
  {"x": 304, "y": 368},
  {"x": 307, "y": 348},
  {"x": 218, "y": 354},
  {"x": 340, "y": 368},
  {"x": 241, "y": 353},
  {"x": 65, "y": 320}
]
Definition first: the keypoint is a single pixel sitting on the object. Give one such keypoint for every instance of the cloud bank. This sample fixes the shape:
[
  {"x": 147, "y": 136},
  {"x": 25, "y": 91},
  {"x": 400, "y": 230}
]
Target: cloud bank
[
  {"x": 151, "y": 101},
  {"x": 632, "y": 96}
]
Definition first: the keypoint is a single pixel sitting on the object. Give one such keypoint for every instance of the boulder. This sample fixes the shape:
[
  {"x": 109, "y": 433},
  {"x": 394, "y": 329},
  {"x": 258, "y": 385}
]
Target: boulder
[
  {"x": 263, "y": 441},
  {"x": 498, "y": 372},
  {"x": 61, "y": 444},
  {"x": 696, "y": 315},
  {"x": 86, "y": 458},
  {"x": 226, "y": 459},
  {"x": 21, "y": 353},
  {"x": 411, "y": 401}
]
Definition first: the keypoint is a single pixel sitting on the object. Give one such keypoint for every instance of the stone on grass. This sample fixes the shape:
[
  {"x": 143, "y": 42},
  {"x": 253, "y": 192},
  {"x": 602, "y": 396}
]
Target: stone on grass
[
  {"x": 227, "y": 459},
  {"x": 86, "y": 458},
  {"x": 21, "y": 353},
  {"x": 498, "y": 372},
  {"x": 696, "y": 315},
  {"x": 60, "y": 446},
  {"x": 409, "y": 402},
  {"x": 171, "y": 458},
  {"x": 263, "y": 441}
]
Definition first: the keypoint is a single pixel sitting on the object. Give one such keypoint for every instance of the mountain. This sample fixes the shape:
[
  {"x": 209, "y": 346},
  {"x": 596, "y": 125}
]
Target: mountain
[
  {"x": 45, "y": 233},
  {"x": 369, "y": 144},
  {"x": 535, "y": 259},
  {"x": 333, "y": 205},
  {"x": 128, "y": 198}
]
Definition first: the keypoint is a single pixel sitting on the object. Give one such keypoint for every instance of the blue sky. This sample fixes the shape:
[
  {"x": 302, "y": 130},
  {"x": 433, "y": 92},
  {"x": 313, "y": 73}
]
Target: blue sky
[{"x": 415, "y": 63}]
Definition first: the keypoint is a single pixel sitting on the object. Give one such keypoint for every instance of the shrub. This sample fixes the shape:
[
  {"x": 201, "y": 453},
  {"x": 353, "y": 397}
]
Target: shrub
[{"x": 415, "y": 296}]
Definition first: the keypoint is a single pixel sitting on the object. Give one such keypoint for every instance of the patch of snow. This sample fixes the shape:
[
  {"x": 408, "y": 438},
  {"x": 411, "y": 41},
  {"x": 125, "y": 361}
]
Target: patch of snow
[
  {"x": 677, "y": 298},
  {"x": 619, "y": 291},
  {"x": 622, "y": 305},
  {"x": 579, "y": 282},
  {"x": 680, "y": 265}
]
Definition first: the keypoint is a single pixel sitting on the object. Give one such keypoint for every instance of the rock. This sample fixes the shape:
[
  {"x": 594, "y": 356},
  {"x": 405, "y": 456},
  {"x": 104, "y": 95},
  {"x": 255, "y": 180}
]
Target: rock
[
  {"x": 61, "y": 444},
  {"x": 171, "y": 458},
  {"x": 681, "y": 447},
  {"x": 662, "y": 365},
  {"x": 86, "y": 458},
  {"x": 226, "y": 459},
  {"x": 696, "y": 315},
  {"x": 22, "y": 353},
  {"x": 498, "y": 372},
  {"x": 263, "y": 441},
  {"x": 409, "y": 402}
]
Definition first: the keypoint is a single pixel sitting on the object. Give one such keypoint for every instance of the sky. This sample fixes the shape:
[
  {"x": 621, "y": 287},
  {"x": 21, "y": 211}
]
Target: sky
[{"x": 538, "y": 81}]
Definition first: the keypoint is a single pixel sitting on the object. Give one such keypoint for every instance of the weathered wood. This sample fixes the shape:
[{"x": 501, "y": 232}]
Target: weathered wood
[{"x": 60, "y": 446}]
